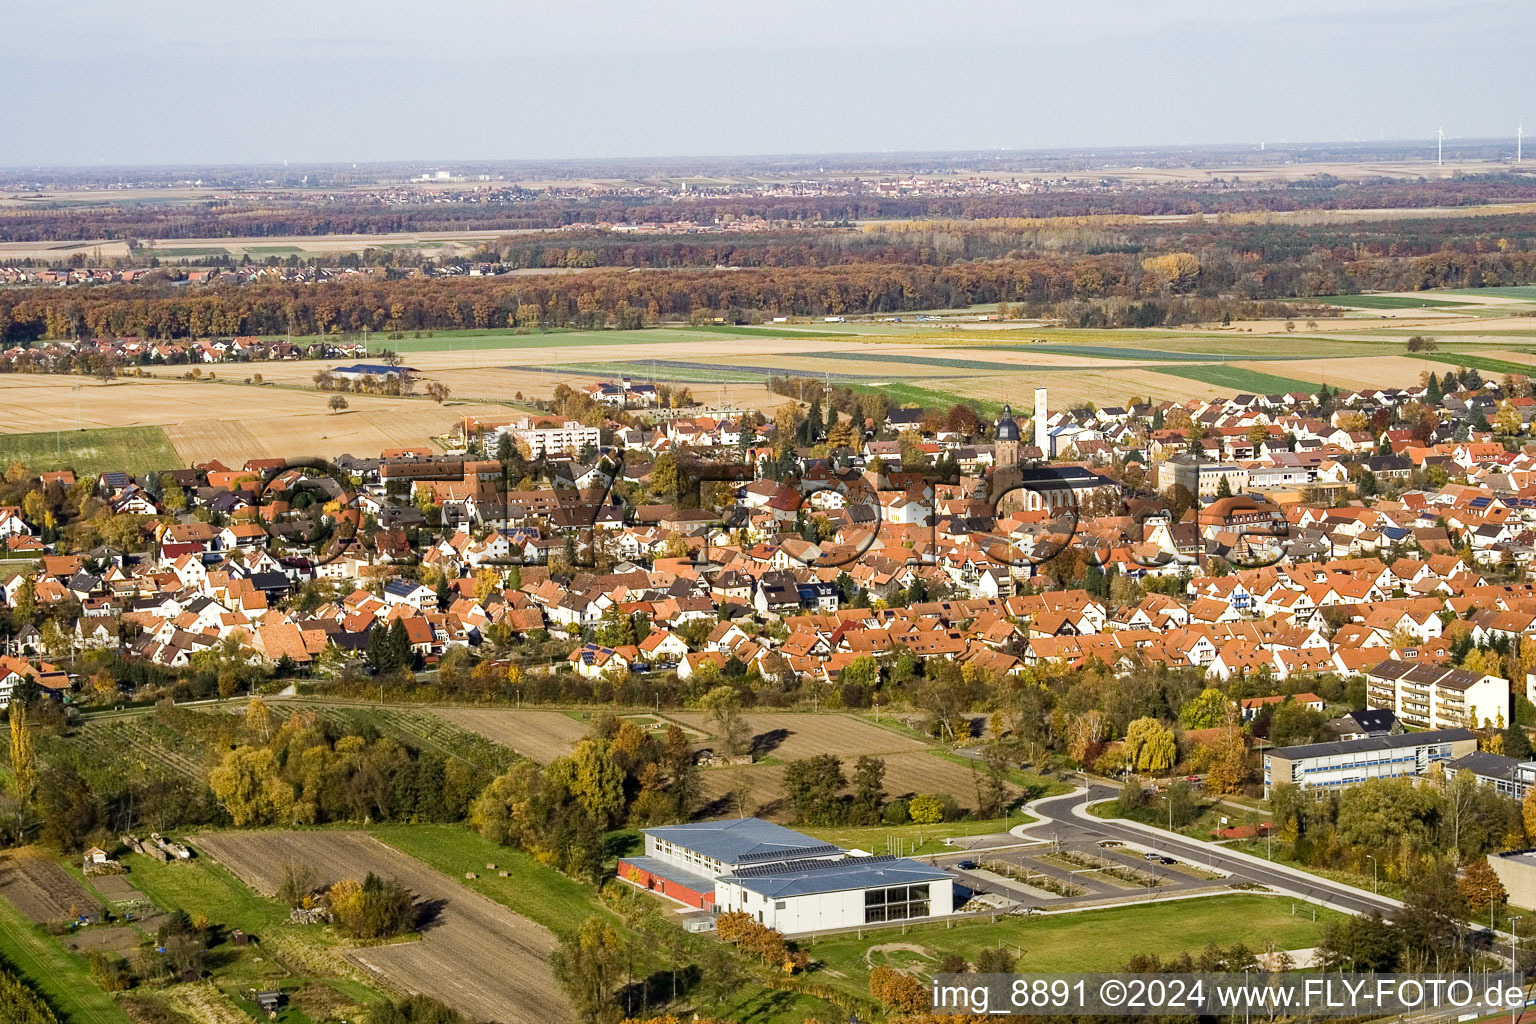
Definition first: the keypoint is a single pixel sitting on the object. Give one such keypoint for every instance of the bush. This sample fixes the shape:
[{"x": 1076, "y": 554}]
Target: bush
[
  {"x": 926, "y": 809},
  {"x": 768, "y": 944},
  {"x": 896, "y": 813},
  {"x": 897, "y": 991}
]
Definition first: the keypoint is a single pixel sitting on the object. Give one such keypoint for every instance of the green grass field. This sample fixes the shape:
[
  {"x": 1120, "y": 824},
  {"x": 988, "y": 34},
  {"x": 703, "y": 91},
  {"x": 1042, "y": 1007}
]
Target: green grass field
[
  {"x": 1094, "y": 940},
  {"x": 1487, "y": 364},
  {"x": 59, "y": 975},
  {"x": 1238, "y": 379},
  {"x": 1509, "y": 292},
  {"x": 916, "y": 840},
  {"x": 535, "y": 891},
  {"x": 1386, "y": 301},
  {"x": 205, "y": 887},
  {"x": 131, "y": 449},
  {"x": 916, "y": 395},
  {"x": 506, "y": 338}
]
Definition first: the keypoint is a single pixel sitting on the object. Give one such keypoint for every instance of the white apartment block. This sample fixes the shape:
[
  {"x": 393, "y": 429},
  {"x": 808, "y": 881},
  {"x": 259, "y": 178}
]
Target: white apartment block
[
  {"x": 1438, "y": 697},
  {"x": 570, "y": 436}
]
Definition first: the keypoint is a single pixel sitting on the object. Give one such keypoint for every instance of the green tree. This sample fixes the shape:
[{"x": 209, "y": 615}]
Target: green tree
[
  {"x": 1206, "y": 711},
  {"x": 813, "y": 786},
  {"x": 868, "y": 789}
]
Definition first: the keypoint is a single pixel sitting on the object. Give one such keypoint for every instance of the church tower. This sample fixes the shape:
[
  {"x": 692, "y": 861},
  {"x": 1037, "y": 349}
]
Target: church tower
[{"x": 1007, "y": 434}]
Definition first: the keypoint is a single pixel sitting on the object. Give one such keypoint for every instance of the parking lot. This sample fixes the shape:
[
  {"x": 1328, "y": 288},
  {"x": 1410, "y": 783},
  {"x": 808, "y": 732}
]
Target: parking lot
[{"x": 1049, "y": 873}]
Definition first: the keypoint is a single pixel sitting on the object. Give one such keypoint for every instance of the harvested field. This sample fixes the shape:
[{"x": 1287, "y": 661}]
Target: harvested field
[
  {"x": 228, "y": 421},
  {"x": 764, "y": 789},
  {"x": 922, "y": 772},
  {"x": 1387, "y": 370},
  {"x": 119, "y": 939},
  {"x": 1105, "y": 387},
  {"x": 39, "y": 887},
  {"x": 789, "y": 736},
  {"x": 907, "y": 774},
  {"x": 117, "y": 889},
  {"x": 475, "y": 955},
  {"x": 539, "y": 735}
]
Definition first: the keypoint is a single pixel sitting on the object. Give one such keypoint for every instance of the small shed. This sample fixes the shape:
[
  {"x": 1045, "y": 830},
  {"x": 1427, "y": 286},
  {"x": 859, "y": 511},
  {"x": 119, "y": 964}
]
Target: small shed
[
  {"x": 96, "y": 855},
  {"x": 269, "y": 1002}
]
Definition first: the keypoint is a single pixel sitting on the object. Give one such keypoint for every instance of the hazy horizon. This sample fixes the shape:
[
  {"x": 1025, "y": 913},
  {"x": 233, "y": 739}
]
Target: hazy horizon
[{"x": 388, "y": 82}]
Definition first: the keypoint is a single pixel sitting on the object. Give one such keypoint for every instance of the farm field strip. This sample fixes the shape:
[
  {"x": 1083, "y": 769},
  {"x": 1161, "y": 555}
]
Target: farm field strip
[
  {"x": 790, "y": 735},
  {"x": 541, "y": 736},
  {"x": 1361, "y": 372},
  {"x": 58, "y": 975},
  {"x": 1106, "y": 387},
  {"x": 40, "y": 888},
  {"x": 419, "y": 729},
  {"x": 1485, "y": 363},
  {"x": 666, "y": 369},
  {"x": 1386, "y": 300},
  {"x": 133, "y": 449},
  {"x": 1238, "y": 379},
  {"x": 474, "y": 954}
]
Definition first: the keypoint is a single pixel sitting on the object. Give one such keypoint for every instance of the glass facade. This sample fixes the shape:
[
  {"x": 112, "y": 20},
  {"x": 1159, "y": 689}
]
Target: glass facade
[{"x": 897, "y": 903}]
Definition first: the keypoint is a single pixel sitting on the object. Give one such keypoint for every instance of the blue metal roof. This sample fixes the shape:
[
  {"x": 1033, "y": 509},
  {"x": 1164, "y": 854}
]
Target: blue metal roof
[
  {"x": 671, "y": 872},
  {"x": 804, "y": 878},
  {"x": 743, "y": 841}
]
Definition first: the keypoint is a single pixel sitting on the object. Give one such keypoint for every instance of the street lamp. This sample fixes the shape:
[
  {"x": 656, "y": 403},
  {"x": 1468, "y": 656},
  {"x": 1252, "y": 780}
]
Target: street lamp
[
  {"x": 1372, "y": 859},
  {"x": 1514, "y": 939}
]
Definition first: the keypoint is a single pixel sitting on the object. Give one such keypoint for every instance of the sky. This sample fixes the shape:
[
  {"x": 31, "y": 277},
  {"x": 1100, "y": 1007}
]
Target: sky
[{"x": 155, "y": 82}]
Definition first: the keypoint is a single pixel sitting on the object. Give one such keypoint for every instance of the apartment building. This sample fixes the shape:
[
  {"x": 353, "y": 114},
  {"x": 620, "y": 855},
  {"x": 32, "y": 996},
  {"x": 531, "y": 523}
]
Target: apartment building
[
  {"x": 1345, "y": 763},
  {"x": 546, "y": 437},
  {"x": 1436, "y": 696},
  {"x": 1200, "y": 477}
]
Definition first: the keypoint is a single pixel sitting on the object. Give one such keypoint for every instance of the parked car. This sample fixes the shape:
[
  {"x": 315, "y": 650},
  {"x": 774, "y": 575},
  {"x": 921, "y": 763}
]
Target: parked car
[{"x": 965, "y": 865}]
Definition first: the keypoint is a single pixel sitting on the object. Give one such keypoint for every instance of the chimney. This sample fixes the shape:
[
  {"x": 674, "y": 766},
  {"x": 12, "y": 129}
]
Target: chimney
[{"x": 1042, "y": 438}]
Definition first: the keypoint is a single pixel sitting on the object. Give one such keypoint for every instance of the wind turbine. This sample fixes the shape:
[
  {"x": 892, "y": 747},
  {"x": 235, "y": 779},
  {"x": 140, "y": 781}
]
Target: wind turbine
[{"x": 1440, "y": 147}]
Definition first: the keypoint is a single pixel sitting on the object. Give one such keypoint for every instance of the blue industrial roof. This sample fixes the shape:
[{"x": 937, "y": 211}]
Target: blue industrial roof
[
  {"x": 743, "y": 841},
  {"x": 804, "y": 878},
  {"x": 377, "y": 369}
]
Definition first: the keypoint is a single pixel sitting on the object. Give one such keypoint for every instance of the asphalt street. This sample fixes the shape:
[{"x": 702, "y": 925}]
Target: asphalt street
[{"x": 1059, "y": 819}]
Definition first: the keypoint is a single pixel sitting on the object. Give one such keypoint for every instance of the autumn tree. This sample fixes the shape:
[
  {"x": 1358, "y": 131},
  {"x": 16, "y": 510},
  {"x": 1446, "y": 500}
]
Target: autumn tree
[
  {"x": 1480, "y": 885},
  {"x": 1229, "y": 764},
  {"x": 247, "y": 784},
  {"x": 23, "y": 758},
  {"x": 1150, "y": 746},
  {"x": 588, "y": 965},
  {"x": 723, "y": 705}
]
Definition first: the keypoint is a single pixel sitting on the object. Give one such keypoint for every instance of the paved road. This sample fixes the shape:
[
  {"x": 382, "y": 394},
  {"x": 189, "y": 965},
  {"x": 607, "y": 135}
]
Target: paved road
[{"x": 1057, "y": 816}]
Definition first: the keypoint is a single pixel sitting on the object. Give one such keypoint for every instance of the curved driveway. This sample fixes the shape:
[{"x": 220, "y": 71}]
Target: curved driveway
[{"x": 1067, "y": 818}]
